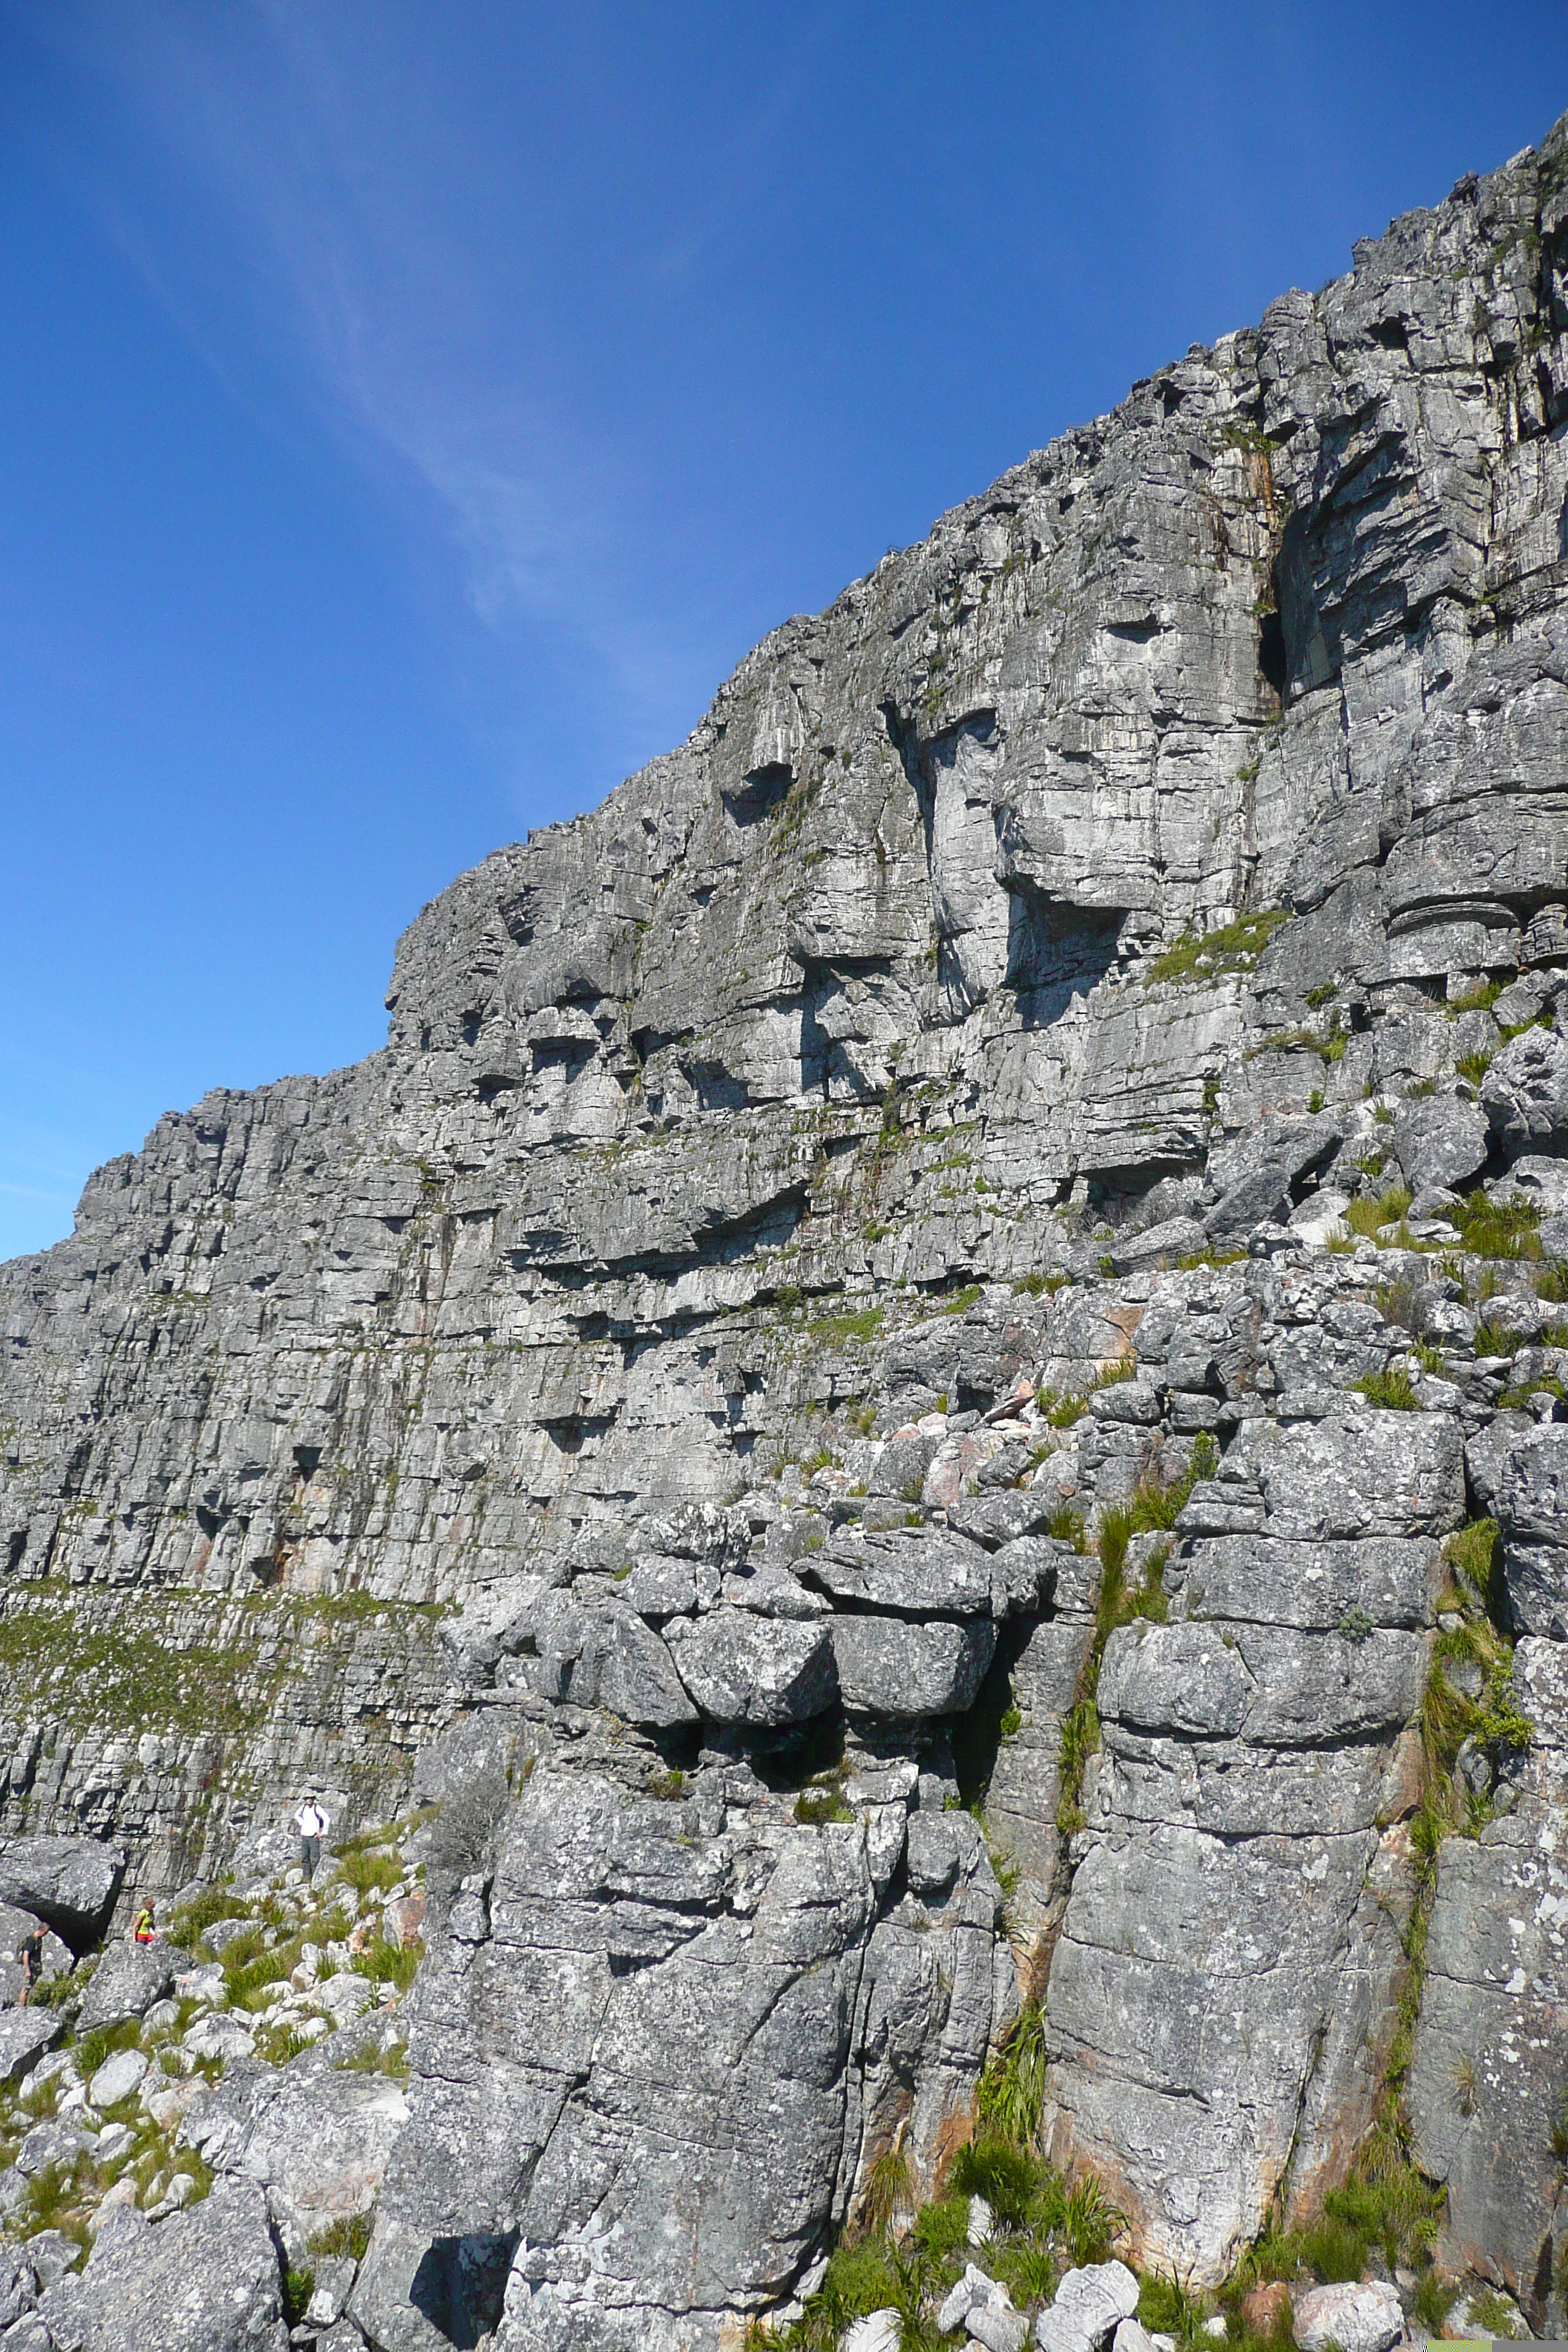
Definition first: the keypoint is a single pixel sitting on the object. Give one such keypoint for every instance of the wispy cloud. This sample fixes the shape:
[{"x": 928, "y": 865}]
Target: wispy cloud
[{"x": 331, "y": 141}]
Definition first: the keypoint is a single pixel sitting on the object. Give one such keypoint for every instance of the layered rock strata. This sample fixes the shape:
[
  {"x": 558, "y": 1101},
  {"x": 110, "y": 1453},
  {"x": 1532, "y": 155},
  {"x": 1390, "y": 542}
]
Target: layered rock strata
[{"x": 682, "y": 1391}]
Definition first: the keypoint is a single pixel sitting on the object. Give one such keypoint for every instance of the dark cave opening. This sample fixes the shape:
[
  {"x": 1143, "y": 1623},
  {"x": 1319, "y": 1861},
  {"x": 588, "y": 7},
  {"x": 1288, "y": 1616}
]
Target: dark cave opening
[
  {"x": 461, "y": 2285},
  {"x": 977, "y": 1736}
]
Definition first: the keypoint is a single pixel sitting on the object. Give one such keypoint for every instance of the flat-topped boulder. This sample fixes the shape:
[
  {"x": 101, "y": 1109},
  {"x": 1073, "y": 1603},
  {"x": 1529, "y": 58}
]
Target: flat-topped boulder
[{"x": 70, "y": 1882}]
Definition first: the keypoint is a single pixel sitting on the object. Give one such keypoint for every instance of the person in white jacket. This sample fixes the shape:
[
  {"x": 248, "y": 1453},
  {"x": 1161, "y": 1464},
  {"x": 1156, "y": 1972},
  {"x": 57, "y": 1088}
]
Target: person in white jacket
[{"x": 313, "y": 1825}]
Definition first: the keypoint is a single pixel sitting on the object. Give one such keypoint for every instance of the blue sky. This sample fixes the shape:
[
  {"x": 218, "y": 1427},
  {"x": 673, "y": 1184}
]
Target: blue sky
[{"x": 409, "y": 413}]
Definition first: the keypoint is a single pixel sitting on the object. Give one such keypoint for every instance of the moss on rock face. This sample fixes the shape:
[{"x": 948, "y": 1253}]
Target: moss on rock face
[{"x": 88, "y": 1669}]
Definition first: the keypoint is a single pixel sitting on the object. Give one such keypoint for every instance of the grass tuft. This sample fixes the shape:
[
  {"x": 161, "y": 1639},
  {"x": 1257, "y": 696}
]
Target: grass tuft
[
  {"x": 1499, "y": 1230},
  {"x": 1367, "y": 1215},
  {"x": 1391, "y": 1391},
  {"x": 346, "y": 2238},
  {"x": 1197, "y": 958}
]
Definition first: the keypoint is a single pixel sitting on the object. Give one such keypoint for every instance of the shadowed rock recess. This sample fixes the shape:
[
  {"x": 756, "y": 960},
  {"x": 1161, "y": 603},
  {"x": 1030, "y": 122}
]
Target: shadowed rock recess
[{"x": 923, "y": 1388}]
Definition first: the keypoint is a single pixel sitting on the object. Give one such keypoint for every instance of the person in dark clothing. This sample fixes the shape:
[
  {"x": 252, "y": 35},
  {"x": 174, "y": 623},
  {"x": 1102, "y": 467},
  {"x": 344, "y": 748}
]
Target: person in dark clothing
[{"x": 32, "y": 1963}]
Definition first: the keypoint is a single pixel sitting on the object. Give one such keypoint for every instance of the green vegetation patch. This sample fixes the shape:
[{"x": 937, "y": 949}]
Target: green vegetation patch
[
  {"x": 834, "y": 1331},
  {"x": 1497, "y": 1229},
  {"x": 961, "y": 1300},
  {"x": 346, "y": 2238},
  {"x": 1368, "y": 1214},
  {"x": 122, "y": 1678},
  {"x": 1196, "y": 958},
  {"x": 1062, "y": 1412},
  {"x": 1391, "y": 1391},
  {"x": 1480, "y": 999}
]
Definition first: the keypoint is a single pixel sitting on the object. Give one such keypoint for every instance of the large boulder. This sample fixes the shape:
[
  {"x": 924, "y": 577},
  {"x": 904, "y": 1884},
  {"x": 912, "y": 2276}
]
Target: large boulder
[
  {"x": 767, "y": 1671},
  {"x": 120, "y": 2075},
  {"x": 317, "y": 2138},
  {"x": 888, "y": 1666},
  {"x": 483, "y": 1748},
  {"x": 1356, "y": 2319},
  {"x": 57, "y": 2141},
  {"x": 1087, "y": 2308},
  {"x": 128, "y": 1980},
  {"x": 879, "y": 2331},
  {"x": 636, "y": 2050},
  {"x": 697, "y": 1531},
  {"x": 206, "y": 2280},
  {"x": 601, "y": 1655},
  {"x": 1539, "y": 1181},
  {"x": 1532, "y": 1501},
  {"x": 70, "y": 1882},
  {"x": 1255, "y": 1175},
  {"x": 1274, "y": 1686},
  {"x": 18, "y": 2285},
  {"x": 914, "y": 1571},
  {"x": 1362, "y": 1474},
  {"x": 25, "y": 2035},
  {"x": 1525, "y": 1094},
  {"x": 993, "y": 1520},
  {"x": 625, "y": 1668},
  {"x": 1262, "y": 1580},
  {"x": 1490, "y": 1452},
  {"x": 1441, "y": 1139}
]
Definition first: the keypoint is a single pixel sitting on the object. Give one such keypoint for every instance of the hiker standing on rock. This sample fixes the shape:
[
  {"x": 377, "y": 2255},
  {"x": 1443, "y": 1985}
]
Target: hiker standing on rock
[
  {"x": 145, "y": 1931},
  {"x": 32, "y": 1964},
  {"x": 313, "y": 1825}
]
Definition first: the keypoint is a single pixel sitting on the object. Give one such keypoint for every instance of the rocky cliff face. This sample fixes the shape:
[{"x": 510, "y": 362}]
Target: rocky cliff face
[{"x": 987, "y": 1230}]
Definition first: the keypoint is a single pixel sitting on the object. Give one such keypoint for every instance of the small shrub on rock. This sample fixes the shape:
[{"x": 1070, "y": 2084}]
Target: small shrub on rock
[
  {"x": 1490, "y": 2314},
  {"x": 366, "y": 1873},
  {"x": 1197, "y": 958},
  {"x": 213, "y": 1903},
  {"x": 299, "y": 2285},
  {"x": 1552, "y": 1282},
  {"x": 1497, "y": 1229},
  {"x": 816, "y": 1806},
  {"x": 1079, "y": 1741},
  {"x": 1392, "y": 1390},
  {"x": 1367, "y": 1215},
  {"x": 395, "y": 1964},
  {"x": 1012, "y": 2090},
  {"x": 1473, "y": 1556},
  {"x": 1167, "y": 2307},
  {"x": 346, "y": 2238},
  {"x": 942, "y": 2228}
]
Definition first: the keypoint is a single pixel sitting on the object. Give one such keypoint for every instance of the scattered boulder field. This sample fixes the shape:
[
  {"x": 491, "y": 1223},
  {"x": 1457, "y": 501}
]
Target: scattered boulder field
[{"x": 194, "y": 2129}]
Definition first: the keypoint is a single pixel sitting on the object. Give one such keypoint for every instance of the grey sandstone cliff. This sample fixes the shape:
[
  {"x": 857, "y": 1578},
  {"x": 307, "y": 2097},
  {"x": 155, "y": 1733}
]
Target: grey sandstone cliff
[{"x": 625, "y": 1407}]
